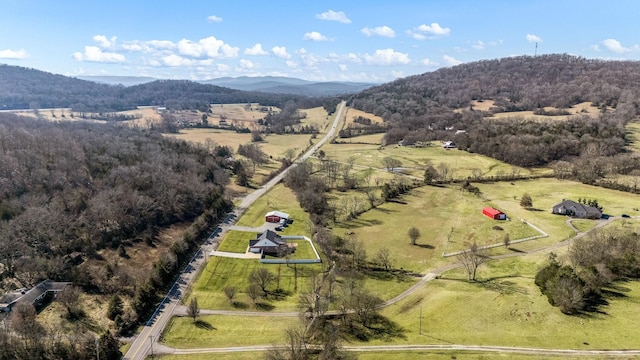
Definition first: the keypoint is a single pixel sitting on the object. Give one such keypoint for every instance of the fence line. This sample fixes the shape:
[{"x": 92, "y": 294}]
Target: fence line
[{"x": 543, "y": 234}]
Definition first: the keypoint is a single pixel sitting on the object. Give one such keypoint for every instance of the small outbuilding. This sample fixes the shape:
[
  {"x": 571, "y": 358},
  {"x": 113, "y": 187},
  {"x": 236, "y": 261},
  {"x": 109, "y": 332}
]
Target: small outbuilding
[
  {"x": 276, "y": 216},
  {"x": 495, "y": 214}
]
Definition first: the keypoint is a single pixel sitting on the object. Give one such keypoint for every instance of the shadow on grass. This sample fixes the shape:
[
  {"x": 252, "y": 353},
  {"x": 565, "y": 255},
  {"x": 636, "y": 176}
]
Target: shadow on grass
[
  {"x": 383, "y": 210},
  {"x": 239, "y": 305},
  {"x": 201, "y": 324},
  {"x": 515, "y": 250},
  {"x": 358, "y": 223},
  {"x": 533, "y": 209},
  {"x": 425, "y": 246},
  {"x": 264, "y": 306},
  {"x": 279, "y": 294},
  {"x": 388, "y": 275},
  {"x": 378, "y": 327}
]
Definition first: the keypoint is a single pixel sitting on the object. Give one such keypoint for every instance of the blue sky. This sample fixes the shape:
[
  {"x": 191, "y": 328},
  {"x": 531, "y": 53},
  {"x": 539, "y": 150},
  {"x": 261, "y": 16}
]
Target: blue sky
[{"x": 369, "y": 41}]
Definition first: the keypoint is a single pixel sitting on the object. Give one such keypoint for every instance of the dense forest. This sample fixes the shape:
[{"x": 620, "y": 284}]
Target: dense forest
[
  {"x": 77, "y": 188},
  {"x": 433, "y": 106},
  {"x": 22, "y": 88}
]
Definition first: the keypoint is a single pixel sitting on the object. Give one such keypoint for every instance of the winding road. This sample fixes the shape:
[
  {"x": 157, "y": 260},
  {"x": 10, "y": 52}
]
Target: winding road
[{"x": 145, "y": 342}]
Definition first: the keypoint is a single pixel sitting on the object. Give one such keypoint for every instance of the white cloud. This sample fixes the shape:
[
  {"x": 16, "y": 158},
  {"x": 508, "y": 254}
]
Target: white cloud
[
  {"x": 104, "y": 42},
  {"x": 214, "y": 18},
  {"x": 383, "y": 31},
  {"x": 176, "y": 60},
  {"x": 148, "y": 46},
  {"x": 354, "y": 58},
  {"x": 255, "y": 50},
  {"x": 291, "y": 64},
  {"x": 246, "y": 64},
  {"x": 95, "y": 54},
  {"x": 451, "y": 60},
  {"x": 13, "y": 54},
  {"x": 432, "y": 31},
  {"x": 479, "y": 45},
  {"x": 615, "y": 46},
  {"x": 387, "y": 57},
  {"x": 343, "y": 67},
  {"x": 533, "y": 38},
  {"x": 595, "y": 47},
  {"x": 281, "y": 52},
  {"x": 334, "y": 16},
  {"x": 315, "y": 36},
  {"x": 210, "y": 47},
  {"x": 428, "y": 62}
]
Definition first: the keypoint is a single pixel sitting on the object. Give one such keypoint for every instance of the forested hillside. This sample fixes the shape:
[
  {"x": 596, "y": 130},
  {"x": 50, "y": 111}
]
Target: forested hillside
[
  {"x": 80, "y": 187},
  {"x": 22, "y": 88},
  {"x": 433, "y": 106}
]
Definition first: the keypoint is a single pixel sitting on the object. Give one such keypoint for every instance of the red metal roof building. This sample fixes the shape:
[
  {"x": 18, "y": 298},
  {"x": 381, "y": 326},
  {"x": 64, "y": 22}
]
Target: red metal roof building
[{"x": 495, "y": 214}]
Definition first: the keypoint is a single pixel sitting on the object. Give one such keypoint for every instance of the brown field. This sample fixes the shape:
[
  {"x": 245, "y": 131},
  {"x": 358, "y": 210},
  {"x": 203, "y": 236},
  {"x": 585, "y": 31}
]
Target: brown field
[
  {"x": 242, "y": 114},
  {"x": 354, "y": 113},
  {"x": 585, "y": 108}
]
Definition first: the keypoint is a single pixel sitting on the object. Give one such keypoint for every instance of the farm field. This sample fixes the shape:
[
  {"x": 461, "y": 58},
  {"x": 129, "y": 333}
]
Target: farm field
[
  {"x": 584, "y": 108},
  {"x": 450, "y": 220},
  {"x": 414, "y": 160}
]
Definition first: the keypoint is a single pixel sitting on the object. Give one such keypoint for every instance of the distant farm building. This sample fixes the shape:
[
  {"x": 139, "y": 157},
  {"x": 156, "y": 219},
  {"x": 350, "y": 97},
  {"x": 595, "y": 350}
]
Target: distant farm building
[
  {"x": 494, "y": 214},
  {"x": 572, "y": 208},
  {"x": 449, "y": 145},
  {"x": 276, "y": 216}
]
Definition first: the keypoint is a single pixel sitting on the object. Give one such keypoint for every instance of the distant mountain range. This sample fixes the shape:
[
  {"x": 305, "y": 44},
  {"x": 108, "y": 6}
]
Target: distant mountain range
[{"x": 268, "y": 84}]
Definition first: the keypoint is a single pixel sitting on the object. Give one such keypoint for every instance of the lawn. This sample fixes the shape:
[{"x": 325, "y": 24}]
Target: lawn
[
  {"x": 244, "y": 355},
  {"x": 236, "y": 241},
  {"x": 221, "y": 272},
  {"x": 226, "y": 331},
  {"x": 303, "y": 251},
  {"x": 279, "y": 198},
  {"x": 506, "y": 309}
]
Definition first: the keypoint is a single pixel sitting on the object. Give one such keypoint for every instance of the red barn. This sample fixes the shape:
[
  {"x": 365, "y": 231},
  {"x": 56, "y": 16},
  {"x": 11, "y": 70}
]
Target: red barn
[
  {"x": 275, "y": 216},
  {"x": 494, "y": 213}
]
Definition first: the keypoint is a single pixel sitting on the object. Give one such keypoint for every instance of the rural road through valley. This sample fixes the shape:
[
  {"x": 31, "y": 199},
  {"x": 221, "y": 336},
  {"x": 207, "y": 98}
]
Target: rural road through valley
[{"x": 142, "y": 345}]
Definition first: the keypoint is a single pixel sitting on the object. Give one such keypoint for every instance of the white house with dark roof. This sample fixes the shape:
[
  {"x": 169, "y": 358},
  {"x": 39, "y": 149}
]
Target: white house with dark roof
[{"x": 572, "y": 208}]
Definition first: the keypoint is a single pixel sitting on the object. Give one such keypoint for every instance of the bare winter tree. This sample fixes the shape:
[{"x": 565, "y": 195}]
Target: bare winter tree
[
  {"x": 193, "y": 309},
  {"x": 230, "y": 293},
  {"x": 414, "y": 235},
  {"x": 471, "y": 260},
  {"x": 261, "y": 277}
]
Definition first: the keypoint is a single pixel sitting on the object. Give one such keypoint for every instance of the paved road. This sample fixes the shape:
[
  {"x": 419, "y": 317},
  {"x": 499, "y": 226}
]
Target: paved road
[{"x": 142, "y": 345}]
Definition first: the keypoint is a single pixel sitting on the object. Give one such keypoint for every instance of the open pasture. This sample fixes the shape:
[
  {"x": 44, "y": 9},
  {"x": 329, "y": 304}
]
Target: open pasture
[
  {"x": 505, "y": 308},
  {"x": 352, "y": 114},
  {"x": 460, "y": 164},
  {"x": 585, "y": 108},
  {"x": 451, "y": 220}
]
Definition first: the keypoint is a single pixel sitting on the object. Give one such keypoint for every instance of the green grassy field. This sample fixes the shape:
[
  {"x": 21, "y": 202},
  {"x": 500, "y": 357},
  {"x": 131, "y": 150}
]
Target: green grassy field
[
  {"x": 278, "y": 198},
  {"x": 226, "y": 331},
  {"x": 303, "y": 250},
  {"x": 245, "y": 355},
  {"x": 236, "y": 241},
  {"x": 461, "y": 163},
  {"x": 505, "y": 308},
  {"x": 221, "y": 272}
]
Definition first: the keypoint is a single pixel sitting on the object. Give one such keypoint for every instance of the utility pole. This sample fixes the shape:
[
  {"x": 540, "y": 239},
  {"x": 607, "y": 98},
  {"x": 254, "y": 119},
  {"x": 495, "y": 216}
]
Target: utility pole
[
  {"x": 98, "y": 348},
  {"x": 420, "y": 319},
  {"x": 536, "y": 51},
  {"x": 151, "y": 344}
]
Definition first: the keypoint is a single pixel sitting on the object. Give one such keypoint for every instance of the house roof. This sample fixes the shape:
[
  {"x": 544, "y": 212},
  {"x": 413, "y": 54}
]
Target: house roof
[
  {"x": 279, "y": 214},
  {"x": 32, "y": 294},
  {"x": 267, "y": 239},
  {"x": 570, "y": 204}
]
